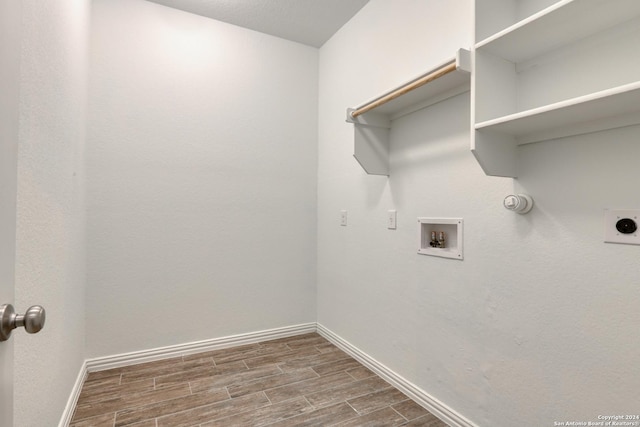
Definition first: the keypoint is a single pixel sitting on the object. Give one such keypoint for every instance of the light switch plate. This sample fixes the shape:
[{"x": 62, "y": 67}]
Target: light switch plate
[
  {"x": 343, "y": 218},
  {"x": 617, "y": 221},
  {"x": 391, "y": 219}
]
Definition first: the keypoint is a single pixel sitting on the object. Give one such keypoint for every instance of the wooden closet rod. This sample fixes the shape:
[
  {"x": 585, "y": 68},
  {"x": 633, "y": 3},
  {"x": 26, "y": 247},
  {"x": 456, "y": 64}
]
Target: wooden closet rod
[{"x": 404, "y": 89}]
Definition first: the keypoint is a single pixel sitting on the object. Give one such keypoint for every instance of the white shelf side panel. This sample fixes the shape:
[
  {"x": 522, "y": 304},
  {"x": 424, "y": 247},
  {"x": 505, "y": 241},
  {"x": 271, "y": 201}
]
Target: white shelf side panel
[
  {"x": 371, "y": 133},
  {"x": 495, "y": 153},
  {"x": 371, "y": 149},
  {"x": 560, "y": 24}
]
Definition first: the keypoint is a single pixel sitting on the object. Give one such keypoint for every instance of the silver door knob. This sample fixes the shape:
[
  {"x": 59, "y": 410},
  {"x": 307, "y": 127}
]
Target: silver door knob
[{"x": 32, "y": 320}]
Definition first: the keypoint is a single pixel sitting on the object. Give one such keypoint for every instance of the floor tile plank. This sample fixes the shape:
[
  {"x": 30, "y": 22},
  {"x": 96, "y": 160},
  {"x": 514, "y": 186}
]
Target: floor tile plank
[
  {"x": 129, "y": 401},
  {"x": 222, "y": 352},
  {"x": 105, "y": 420},
  {"x": 95, "y": 394},
  {"x": 346, "y": 391},
  {"x": 336, "y": 366},
  {"x": 326, "y": 347},
  {"x": 312, "y": 385},
  {"x": 410, "y": 409},
  {"x": 146, "y": 423},
  {"x": 314, "y": 360},
  {"x": 273, "y": 381},
  {"x": 428, "y": 420},
  {"x": 331, "y": 415},
  {"x": 385, "y": 417},
  {"x": 200, "y": 372},
  {"x": 234, "y": 378},
  {"x": 169, "y": 369},
  {"x": 265, "y": 415},
  {"x": 376, "y": 400},
  {"x": 360, "y": 373},
  {"x": 280, "y": 357},
  {"x": 261, "y": 350},
  {"x": 167, "y": 407},
  {"x": 99, "y": 379},
  {"x": 215, "y": 411}
]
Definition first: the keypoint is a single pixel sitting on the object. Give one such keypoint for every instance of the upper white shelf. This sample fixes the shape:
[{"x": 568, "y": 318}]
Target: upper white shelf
[
  {"x": 597, "y": 111},
  {"x": 373, "y": 118},
  {"x": 563, "y": 23}
]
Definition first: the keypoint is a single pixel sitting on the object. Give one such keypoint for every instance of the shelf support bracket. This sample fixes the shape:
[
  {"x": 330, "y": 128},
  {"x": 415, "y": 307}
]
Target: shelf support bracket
[
  {"x": 371, "y": 142},
  {"x": 372, "y": 120}
]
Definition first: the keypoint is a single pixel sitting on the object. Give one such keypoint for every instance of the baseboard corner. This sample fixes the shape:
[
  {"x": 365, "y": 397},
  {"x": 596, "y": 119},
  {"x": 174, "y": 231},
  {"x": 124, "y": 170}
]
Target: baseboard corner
[{"x": 67, "y": 413}]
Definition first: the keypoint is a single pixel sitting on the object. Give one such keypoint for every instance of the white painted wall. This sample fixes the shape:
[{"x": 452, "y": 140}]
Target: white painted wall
[
  {"x": 9, "y": 133},
  {"x": 50, "y": 245},
  {"x": 539, "y": 322},
  {"x": 202, "y": 160}
]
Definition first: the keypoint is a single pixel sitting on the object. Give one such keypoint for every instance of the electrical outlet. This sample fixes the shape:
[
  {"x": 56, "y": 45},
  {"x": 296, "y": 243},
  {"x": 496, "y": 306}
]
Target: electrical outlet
[
  {"x": 621, "y": 226},
  {"x": 391, "y": 219},
  {"x": 343, "y": 218}
]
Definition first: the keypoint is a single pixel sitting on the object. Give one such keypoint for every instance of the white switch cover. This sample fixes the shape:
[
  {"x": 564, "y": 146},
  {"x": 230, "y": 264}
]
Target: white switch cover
[
  {"x": 343, "y": 218},
  {"x": 391, "y": 219},
  {"x": 622, "y": 226}
]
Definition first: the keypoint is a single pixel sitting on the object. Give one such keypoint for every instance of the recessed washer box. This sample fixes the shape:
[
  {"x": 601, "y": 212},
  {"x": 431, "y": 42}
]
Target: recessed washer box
[
  {"x": 452, "y": 229},
  {"x": 622, "y": 226}
]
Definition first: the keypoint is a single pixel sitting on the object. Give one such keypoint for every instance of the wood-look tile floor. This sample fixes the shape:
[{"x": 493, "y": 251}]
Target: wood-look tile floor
[{"x": 296, "y": 381}]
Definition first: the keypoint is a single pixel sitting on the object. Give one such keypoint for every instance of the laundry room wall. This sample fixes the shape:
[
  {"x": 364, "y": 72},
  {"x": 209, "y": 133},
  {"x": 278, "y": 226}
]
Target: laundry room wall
[
  {"x": 50, "y": 228},
  {"x": 538, "y": 323},
  {"x": 201, "y": 160}
]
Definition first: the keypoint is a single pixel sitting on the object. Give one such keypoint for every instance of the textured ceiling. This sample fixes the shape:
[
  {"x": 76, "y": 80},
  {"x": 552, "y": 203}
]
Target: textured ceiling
[{"x": 311, "y": 22}]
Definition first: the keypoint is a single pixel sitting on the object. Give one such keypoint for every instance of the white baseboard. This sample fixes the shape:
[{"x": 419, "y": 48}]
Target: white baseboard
[
  {"x": 430, "y": 403},
  {"x": 136, "y": 357},
  {"x": 73, "y": 397},
  {"x": 427, "y": 401}
]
